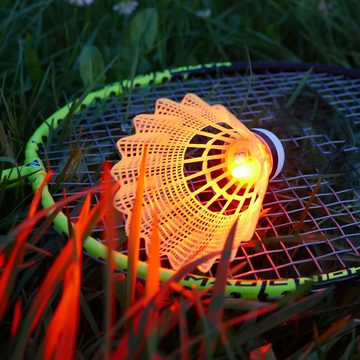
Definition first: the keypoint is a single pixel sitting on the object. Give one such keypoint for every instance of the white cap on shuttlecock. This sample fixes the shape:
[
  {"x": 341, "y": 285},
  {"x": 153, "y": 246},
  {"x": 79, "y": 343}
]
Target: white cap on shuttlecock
[{"x": 276, "y": 150}]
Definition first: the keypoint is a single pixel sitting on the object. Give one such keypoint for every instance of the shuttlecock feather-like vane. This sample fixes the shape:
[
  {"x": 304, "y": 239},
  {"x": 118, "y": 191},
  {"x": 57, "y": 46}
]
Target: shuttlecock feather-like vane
[{"x": 204, "y": 170}]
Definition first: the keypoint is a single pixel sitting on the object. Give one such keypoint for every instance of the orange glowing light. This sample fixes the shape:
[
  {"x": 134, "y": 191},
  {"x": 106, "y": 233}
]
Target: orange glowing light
[
  {"x": 244, "y": 158},
  {"x": 204, "y": 171},
  {"x": 246, "y": 169}
]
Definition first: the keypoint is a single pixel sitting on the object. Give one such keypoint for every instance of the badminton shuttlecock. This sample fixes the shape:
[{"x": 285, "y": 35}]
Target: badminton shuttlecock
[{"x": 204, "y": 170}]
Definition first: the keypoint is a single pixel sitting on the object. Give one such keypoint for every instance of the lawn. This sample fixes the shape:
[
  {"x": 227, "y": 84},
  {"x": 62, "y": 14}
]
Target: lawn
[{"x": 57, "y": 301}]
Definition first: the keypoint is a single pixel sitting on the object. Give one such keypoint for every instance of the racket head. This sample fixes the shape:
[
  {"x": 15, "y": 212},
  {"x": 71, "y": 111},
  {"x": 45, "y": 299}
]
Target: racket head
[{"x": 281, "y": 258}]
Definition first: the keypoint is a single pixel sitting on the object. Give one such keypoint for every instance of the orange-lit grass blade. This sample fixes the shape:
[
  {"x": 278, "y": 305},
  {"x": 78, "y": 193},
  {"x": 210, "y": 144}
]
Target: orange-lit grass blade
[
  {"x": 16, "y": 317},
  {"x": 58, "y": 268},
  {"x": 143, "y": 314},
  {"x": 2, "y": 259},
  {"x": 134, "y": 233},
  {"x": 263, "y": 212},
  {"x": 153, "y": 274},
  {"x": 31, "y": 221},
  {"x": 62, "y": 263},
  {"x": 280, "y": 314},
  {"x": 251, "y": 315},
  {"x": 62, "y": 330},
  {"x": 7, "y": 278},
  {"x": 208, "y": 333},
  {"x": 262, "y": 352},
  {"x": 209, "y": 337},
  {"x": 328, "y": 335},
  {"x": 334, "y": 328},
  {"x": 32, "y": 247},
  {"x": 165, "y": 289},
  {"x": 107, "y": 196},
  {"x": 151, "y": 288},
  {"x": 218, "y": 295},
  {"x": 181, "y": 290},
  {"x": 50, "y": 283}
]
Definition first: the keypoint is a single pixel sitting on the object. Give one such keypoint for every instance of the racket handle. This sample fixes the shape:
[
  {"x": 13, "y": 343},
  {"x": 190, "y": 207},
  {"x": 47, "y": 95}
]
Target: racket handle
[{"x": 16, "y": 175}]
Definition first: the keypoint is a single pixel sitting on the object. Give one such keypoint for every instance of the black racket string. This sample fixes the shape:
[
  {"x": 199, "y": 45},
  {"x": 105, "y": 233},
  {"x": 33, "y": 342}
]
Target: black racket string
[{"x": 329, "y": 239}]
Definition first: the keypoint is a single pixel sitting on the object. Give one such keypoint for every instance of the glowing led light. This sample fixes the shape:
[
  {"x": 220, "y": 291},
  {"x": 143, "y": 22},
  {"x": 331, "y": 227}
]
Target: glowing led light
[
  {"x": 246, "y": 169},
  {"x": 244, "y": 159},
  {"x": 204, "y": 171}
]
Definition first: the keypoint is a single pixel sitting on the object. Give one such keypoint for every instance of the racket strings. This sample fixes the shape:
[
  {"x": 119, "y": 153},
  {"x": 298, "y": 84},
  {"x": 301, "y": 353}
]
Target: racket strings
[{"x": 330, "y": 233}]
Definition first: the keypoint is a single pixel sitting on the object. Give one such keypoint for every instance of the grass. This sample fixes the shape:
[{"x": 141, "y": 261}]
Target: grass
[{"x": 50, "y": 51}]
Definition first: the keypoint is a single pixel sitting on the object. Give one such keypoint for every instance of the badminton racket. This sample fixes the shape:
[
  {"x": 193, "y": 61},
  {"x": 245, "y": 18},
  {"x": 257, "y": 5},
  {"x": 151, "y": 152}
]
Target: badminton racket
[{"x": 309, "y": 229}]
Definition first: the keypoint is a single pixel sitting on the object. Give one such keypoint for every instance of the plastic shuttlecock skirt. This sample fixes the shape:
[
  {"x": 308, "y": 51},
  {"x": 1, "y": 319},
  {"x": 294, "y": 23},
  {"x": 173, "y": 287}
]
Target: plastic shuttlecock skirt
[{"x": 204, "y": 170}]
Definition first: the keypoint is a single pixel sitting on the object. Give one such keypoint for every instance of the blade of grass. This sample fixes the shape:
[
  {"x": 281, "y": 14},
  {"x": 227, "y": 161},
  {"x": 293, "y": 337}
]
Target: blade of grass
[
  {"x": 88, "y": 314},
  {"x": 229, "y": 351},
  {"x": 153, "y": 273},
  {"x": 43, "y": 296},
  {"x": 218, "y": 295},
  {"x": 72, "y": 162},
  {"x": 152, "y": 287},
  {"x": 307, "y": 207},
  {"x": 16, "y": 317},
  {"x": 44, "y": 212},
  {"x": 62, "y": 330},
  {"x": 298, "y": 89},
  {"x": 38, "y": 250},
  {"x": 184, "y": 333},
  {"x": 262, "y": 352},
  {"x": 240, "y": 319},
  {"x": 64, "y": 261},
  {"x": 275, "y": 318},
  {"x": 2, "y": 260},
  {"x": 334, "y": 328},
  {"x": 8, "y": 276},
  {"x": 206, "y": 335},
  {"x": 321, "y": 344},
  {"x": 142, "y": 317},
  {"x": 4, "y": 140},
  {"x": 134, "y": 232},
  {"x": 109, "y": 224}
]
